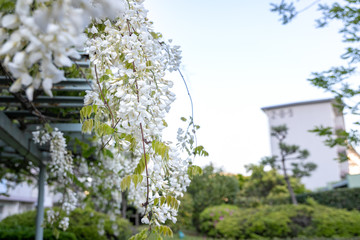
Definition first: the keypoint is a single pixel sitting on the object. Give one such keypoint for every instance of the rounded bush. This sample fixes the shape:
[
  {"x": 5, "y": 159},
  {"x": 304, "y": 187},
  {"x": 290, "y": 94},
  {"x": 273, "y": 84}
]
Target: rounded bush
[
  {"x": 83, "y": 225},
  {"x": 282, "y": 221}
]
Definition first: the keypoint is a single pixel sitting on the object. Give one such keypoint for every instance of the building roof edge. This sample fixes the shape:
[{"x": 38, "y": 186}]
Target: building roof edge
[{"x": 297, "y": 103}]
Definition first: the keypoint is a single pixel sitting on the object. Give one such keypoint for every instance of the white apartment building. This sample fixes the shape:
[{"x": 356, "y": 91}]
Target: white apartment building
[
  {"x": 22, "y": 198},
  {"x": 300, "y": 117}
]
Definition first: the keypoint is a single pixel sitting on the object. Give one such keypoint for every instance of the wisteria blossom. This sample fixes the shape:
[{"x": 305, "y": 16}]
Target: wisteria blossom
[
  {"x": 125, "y": 111},
  {"x": 42, "y": 36},
  {"x": 61, "y": 166},
  {"x": 130, "y": 61}
]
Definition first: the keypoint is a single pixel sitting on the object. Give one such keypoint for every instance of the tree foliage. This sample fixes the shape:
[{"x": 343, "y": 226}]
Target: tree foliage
[
  {"x": 289, "y": 153},
  {"x": 339, "y": 80},
  {"x": 210, "y": 189}
]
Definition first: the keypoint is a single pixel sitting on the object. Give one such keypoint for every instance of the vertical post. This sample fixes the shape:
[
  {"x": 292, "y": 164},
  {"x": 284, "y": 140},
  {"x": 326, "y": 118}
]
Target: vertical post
[{"x": 40, "y": 203}]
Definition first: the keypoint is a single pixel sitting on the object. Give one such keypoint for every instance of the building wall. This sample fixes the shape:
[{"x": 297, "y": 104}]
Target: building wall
[
  {"x": 8, "y": 208},
  {"x": 353, "y": 181},
  {"x": 22, "y": 198},
  {"x": 300, "y": 118}
]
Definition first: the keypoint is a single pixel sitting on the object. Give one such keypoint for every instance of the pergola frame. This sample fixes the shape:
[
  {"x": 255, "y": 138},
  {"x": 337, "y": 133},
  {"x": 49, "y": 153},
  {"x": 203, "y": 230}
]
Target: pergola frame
[{"x": 19, "y": 140}]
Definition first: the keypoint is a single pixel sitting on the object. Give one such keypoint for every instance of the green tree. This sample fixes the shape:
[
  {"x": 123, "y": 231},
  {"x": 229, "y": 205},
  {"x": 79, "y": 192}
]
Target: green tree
[
  {"x": 289, "y": 153},
  {"x": 210, "y": 189},
  {"x": 262, "y": 184},
  {"x": 338, "y": 80}
]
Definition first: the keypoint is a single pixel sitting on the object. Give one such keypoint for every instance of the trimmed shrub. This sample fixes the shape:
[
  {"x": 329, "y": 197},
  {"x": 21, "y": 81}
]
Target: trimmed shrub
[
  {"x": 283, "y": 221},
  {"x": 24, "y": 233},
  {"x": 83, "y": 225},
  {"x": 348, "y": 198},
  {"x": 211, "y": 216}
]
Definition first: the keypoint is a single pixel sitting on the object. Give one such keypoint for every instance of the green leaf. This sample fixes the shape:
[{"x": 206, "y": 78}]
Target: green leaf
[
  {"x": 162, "y": 200},
  {"x": 194, "y": 170},
  {"x": 141, "y": 235},
  {"x": 108, "y": 153},
  {"x": 164, "y": 230},
  {"x": 125, "y": 183},
  {"x": 161, "y": 149},
  {"x": 200, "y": 150},
  {"x": 104, "y": 130},
  {"x": 104, "y": 78},
  {"x": 156, "y": 201},
  {"x": 183, "y": 119},
  {"x": 95, "y": 108},
  {"x": 48, "y": 128},
  {"x": 87, "y": 126},
  {"x": 141, "y": 165},
  {"x": 137, "y": 178}
]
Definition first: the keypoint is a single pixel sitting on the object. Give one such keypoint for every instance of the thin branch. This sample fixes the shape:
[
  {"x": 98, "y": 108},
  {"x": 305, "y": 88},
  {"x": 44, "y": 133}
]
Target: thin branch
[
  {"x": 309, "y": 6},
  {"x": 104, "y": 99},
  {"x": 143, "y": 138},
  {"x": 83, "y": 75}
]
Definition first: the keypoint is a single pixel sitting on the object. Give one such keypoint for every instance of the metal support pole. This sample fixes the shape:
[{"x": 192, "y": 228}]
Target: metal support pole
[{"x": 40, "y": 203}]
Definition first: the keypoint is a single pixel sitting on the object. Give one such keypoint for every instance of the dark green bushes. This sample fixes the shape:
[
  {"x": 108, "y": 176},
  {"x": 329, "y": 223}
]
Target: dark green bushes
[
  {"x": 348, "y": 198},
  {"x": 283, "y": 221},
  {"x": 83, "y": 225},
  {"x": 339, "y": 198},
  {"x": 22, "y": 233}
]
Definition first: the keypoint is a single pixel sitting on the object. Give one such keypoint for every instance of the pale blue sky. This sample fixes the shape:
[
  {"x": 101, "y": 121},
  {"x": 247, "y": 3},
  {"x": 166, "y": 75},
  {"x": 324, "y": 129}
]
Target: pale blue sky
[{"x": 237, "y": 58}]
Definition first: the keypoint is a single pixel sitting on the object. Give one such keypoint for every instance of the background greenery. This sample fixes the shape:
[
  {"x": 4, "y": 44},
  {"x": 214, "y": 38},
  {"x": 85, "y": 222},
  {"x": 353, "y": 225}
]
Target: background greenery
[{"x": 83, "y": 225}]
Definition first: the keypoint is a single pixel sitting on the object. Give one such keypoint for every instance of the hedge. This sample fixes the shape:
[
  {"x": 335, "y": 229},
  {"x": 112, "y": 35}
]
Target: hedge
[
  {"x": 282, "y": 221},
  {"x": 82, "y": 225},
  {"x": 348, "y": 198},
  {"x": 24, "y": 233}
]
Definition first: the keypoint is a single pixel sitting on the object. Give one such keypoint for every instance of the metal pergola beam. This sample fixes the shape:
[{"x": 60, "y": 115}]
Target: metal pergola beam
[
  {"x": 68, "y": 84},
  {"x": 46, "y": 99},
  {"x": 15, "y": 138},
  {"x": 63, "y": 127}
]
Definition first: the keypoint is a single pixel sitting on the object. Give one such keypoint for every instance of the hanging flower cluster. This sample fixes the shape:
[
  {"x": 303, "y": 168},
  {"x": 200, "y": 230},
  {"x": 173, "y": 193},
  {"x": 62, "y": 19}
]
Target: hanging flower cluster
[
  {"x": 128, "y": 105},
  {"x": 61, "y": 167},
  {"x": 126, "y": 109},
  {"x": 42, "y": 36}
]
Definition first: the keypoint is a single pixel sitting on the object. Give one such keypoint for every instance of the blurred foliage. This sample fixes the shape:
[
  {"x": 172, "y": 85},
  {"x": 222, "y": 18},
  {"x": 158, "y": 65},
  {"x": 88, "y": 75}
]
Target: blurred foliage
[
  {"x": 262, "y": 186},
  {"x": 283, "y": 221},
  {"x": 83, "y": 224},
  {"x": 341, "y": 81},
  {"x": 185, "y": 214},
  {"x": 210, "y": 189},
  {"x": 347, "y": 198},
  {"x": 23, "y": 233}
]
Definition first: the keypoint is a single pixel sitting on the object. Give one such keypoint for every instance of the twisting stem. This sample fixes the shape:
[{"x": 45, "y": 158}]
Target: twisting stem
[
  {"x": 146, "y": 169},
  {"x": 142, "y": 136},
  {"x": 104, "y": 99}
]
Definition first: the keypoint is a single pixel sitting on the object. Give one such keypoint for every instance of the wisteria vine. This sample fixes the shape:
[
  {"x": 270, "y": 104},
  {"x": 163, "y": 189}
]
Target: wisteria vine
[{"x": 125, "y": 110}]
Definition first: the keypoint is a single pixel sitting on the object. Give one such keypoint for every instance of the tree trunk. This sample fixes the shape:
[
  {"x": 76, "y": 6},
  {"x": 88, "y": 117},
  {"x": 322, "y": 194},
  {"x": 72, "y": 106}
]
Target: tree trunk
[{"x": 287, "y": 180}]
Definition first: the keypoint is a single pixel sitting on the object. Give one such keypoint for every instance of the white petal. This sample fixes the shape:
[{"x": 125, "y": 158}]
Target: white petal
[
  {"x": 7, "y": 47},
  {"x": 47, "y": 85},
  {"x": 26, "y": 79},
  {"x": 3, "y": 34},
  {"x": 41, "y": 17},
  {"x": 16, "y": 86},
  {"x": 30, "y": 92},
  {"x": 10, "y": 21},
  {"x": 37, "y": 82},
  {"x": 19, "y": 58},
  {"x": 62, "y": 60},
  {"x": 23, "y": 6},
  {"x": 34, "y": 57},
  {"x": 73, "y": 53},
  {"x": 93, "y": 30}
]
